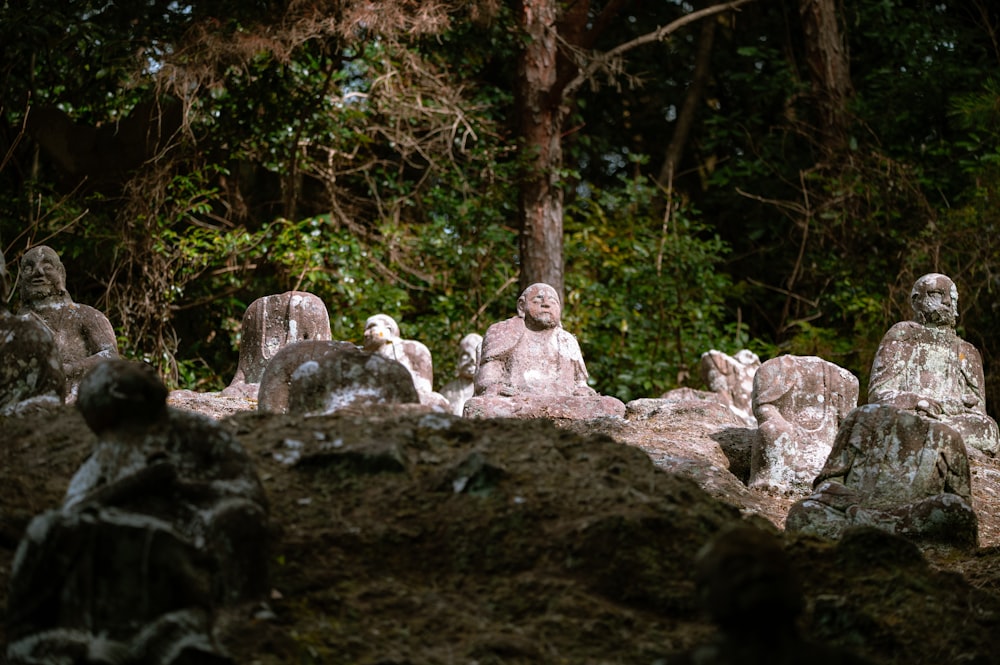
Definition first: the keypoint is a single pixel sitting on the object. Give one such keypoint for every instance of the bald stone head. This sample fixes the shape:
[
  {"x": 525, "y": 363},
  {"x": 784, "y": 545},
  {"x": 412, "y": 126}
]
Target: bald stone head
[
  {"x": 540, "y": 307},
  {"x": 934, "y": 299},
  {"x": 380, "y": 329},
  {"x": 43, "y": 276},
  {"x": 117, "y": 393},
  {"x": 468, "y": 355}
]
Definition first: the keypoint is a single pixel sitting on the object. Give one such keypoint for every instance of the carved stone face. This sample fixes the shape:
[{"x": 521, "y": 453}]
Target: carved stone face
[
  {"x": 540, "y": 306},
  {"x": 468, "y": 359},
  {"x": 379, "y": 330},
  {"x": 42, "y": 274},
  {"x": 935, "y": 301}
]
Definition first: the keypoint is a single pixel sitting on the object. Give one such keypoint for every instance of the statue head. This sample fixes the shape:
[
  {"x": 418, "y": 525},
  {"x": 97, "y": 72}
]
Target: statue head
[
  {"x": 540, "y": 307},
  {"x": 42, "y": 275},
  {"x": 934, "y": 299},
  {"x": 468, "y": 355},
  {"x": 380, "y": 329}
]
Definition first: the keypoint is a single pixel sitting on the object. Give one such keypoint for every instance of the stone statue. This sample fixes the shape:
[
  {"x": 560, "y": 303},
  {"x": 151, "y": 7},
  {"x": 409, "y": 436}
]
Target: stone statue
[
  {"x": 536, "y": 365},
  {"x": 31, "y": 374},
  {"x": 83, "y": 335},
  {"x": 896, "y": 471},
  {"x": 731, "y": 379},
  {"x": 320, "y": 377},
  {"x": 163, "y": 524},
  {"x": 531, "y": 353},
  {"x": 799, "y": 403},
  {"x": 923, "y": 367},
  {"x": 459, "y": 390},
  {"x": 748, "y": 587},
  {"x": 269, "y": 324},
  {"x": 382, "y": 336}
]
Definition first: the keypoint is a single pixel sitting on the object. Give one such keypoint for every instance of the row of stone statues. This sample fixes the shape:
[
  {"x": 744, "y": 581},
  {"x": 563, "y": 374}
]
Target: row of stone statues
[{"x": 170, "y": 491}]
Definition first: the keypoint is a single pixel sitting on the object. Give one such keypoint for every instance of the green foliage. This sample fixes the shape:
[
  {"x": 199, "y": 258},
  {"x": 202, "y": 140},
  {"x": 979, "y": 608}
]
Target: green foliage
[{"x": 645, "y": 295}]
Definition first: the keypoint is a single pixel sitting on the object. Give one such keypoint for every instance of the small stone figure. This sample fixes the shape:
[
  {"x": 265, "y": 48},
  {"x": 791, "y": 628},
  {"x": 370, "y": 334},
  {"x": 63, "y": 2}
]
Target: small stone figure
[
  {"x": 320, "y": 377},
  {"x": 163, "y": 524},
  {"x": 459, "y": 390},
  {"x": 922, "y": 366},
  {"x": 747, "y": 586},
  {"x": 269, "y": 324},
  {"x": 83, "y": 335},
  {"x": 382, "y": 336},
  {"x": 534, "y": 364},
  {"x": 31, "y": 374},
  {"x": 799, "y": 403},
  {"x": 731, "y": 379}
]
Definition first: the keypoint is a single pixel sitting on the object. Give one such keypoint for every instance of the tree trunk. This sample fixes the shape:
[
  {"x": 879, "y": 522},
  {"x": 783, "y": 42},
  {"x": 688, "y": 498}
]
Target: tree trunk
[
  {"x": 539, "y": 97},
  {"x": 829, "y": 68}
]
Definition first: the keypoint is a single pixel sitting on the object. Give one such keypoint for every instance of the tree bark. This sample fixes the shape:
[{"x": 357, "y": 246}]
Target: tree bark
[
  {"x": 539, "y": 98},
  {"x": 829, "y": 68}
]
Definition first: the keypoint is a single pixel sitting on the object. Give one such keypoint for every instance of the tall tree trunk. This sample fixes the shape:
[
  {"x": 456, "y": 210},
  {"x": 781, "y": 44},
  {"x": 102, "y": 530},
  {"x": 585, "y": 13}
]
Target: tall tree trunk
[
  {"x": 829, "y": 68},
  {"x": 539, "y": 98}
]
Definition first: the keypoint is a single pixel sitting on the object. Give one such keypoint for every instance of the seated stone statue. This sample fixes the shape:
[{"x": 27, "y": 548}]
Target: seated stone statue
[
  {"x": 320, "y": 377},
  {"x": 382, "y": 336},
  {"x": 269, "y": 324},
  {"x": 31, "y": 374},
  {"x": 923, "y": 367},
  {"x": 162, "y": 525},
  {"x": 460, "y": 389},
  {"x": 730, "y": 378},
  {"x": 83, "y": 335},
  {"x": 799, "y": 403},
  {"x": 532, "y": 362},
  {"x": 896, "y": 471}
]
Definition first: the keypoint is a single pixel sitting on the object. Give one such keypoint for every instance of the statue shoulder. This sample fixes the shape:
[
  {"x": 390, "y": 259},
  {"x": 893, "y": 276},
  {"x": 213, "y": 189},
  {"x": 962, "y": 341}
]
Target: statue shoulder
[{"x": 501, "y": 337}]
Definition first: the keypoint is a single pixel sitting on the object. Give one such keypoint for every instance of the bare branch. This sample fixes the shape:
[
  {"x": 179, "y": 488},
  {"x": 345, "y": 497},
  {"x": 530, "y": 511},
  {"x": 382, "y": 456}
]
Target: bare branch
[{"x": 606, "y": 60}]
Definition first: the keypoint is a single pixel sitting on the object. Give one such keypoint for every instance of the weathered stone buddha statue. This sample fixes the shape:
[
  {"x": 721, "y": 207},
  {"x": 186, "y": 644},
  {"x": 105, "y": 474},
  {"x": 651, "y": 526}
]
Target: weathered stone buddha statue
[
  {"x": 900, "y": 463},
  {"x": 799, "y": 403},
  {"x": 31, "y": 374},
  {"x": 163, "y": 524},
  {"x": 530, "y": 366},
  {"x": 462, "y": 387},
  {"x": 269, "y": 324},
  {"x": 382, "y": 336},
  {"x": 924, "y": 367},
  {"x": 83, "y": 335}
]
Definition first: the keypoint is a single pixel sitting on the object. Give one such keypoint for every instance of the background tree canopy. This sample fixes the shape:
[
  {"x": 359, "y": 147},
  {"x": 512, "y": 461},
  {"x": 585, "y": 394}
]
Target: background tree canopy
[{"x": 771, "y": 176}]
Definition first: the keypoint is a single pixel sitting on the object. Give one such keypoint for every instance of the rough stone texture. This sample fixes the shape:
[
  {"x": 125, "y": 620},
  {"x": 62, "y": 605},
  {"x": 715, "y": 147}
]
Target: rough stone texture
[
  {"x": 799, "y": 403},
  {"x": 531, "y": 367},
  {"x": 31, "y": 375},
  {"x": 382, "y": 336},
  {"x": 896, "y": 471},
  {"x": 269, "y": 324},
  {"x": 322, "y": 377},
  {"x": 750, "y": 590},
  {"x": 730, "y": 378},
  {"x": 429, "y": 539},
  {"x": 922, "y": 366},
  {"x": 83, "y": 335},
  {"x": 165, "y": 521},
  {"x": 460, "y": 389},
  {"x": 553, "y": 407}
]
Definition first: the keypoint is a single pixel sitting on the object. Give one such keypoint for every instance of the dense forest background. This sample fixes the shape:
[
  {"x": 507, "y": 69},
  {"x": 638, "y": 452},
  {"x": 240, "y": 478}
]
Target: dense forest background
[{"x": 770, "y": 174}]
